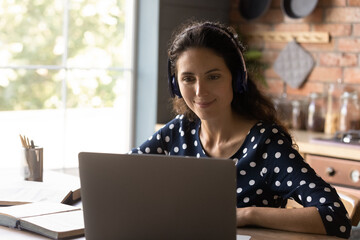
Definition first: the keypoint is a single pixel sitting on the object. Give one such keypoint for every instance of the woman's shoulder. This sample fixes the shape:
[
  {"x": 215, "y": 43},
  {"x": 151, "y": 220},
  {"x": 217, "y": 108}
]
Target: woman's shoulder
[{"x": 268, "y": 129}]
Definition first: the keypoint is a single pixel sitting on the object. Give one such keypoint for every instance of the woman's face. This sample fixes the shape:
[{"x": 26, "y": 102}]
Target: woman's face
[{"x": 205, "y": 83}]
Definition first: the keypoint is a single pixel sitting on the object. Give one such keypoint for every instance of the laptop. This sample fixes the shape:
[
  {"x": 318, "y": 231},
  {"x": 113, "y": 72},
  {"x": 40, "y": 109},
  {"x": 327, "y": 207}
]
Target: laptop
[{"x": 157, "y": 197}]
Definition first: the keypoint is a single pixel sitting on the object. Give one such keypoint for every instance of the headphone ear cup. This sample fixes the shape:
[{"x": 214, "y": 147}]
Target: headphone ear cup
[
  {"x": 239, "y": 84},
  {"x": 175, "y": 87}
]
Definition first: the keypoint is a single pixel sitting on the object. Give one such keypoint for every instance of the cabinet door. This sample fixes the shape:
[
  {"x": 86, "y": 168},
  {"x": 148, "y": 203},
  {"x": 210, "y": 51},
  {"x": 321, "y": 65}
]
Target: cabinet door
[{"x": 336, "y": 171}]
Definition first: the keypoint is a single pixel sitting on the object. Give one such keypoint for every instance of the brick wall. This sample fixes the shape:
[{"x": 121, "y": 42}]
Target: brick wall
[{"x": 338, "y": 59}]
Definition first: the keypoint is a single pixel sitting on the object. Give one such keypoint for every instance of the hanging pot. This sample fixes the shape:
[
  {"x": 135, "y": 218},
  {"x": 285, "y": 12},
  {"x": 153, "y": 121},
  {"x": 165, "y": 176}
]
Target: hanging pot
[
  {"x": 252, "y": 9},
  {"x": 298, "y": 8}
]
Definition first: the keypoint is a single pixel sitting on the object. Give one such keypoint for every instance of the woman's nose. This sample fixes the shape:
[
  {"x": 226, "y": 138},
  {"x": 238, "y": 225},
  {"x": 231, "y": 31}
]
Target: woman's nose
[{"x": 201, "y": 88}]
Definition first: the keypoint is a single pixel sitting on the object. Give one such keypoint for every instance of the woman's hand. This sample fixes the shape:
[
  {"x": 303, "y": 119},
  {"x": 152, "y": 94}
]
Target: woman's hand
[
  {"x": 243, "y": 216},
  {"x": 298, "y": 220}
]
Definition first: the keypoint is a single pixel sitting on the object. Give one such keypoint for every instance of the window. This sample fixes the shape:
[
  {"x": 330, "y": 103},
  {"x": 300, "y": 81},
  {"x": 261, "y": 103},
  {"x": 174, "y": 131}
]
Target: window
[{"x": 66, "y": 69}]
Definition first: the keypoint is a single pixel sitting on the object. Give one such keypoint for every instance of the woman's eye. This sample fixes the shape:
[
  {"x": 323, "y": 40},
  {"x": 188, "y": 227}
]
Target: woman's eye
[
  {"x": 214, "y": 77},
  {"x": 187, "y": 79}
]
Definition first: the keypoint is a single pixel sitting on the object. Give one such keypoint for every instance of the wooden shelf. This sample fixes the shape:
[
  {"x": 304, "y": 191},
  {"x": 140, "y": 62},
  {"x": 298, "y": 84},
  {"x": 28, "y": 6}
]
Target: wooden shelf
[{"x": 301, "y": 37}]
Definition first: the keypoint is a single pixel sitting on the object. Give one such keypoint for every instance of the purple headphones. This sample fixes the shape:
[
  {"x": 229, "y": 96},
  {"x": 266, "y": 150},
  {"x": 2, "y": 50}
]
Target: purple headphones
[{"x": 239, "y": 78}]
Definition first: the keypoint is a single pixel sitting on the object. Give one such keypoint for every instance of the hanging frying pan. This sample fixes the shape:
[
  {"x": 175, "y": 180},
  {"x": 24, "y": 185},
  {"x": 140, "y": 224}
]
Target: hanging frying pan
[
  {"x": 252, "y": 9},
  {"x": 298, "y": 8}
]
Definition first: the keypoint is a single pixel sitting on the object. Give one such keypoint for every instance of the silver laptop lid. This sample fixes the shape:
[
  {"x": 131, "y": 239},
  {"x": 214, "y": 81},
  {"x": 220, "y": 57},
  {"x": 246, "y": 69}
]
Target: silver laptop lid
[{"x": 157, "y": 197}]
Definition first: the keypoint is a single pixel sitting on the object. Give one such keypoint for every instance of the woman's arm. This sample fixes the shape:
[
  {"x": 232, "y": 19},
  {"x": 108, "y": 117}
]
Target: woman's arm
[{"x": 295, "y": 219}]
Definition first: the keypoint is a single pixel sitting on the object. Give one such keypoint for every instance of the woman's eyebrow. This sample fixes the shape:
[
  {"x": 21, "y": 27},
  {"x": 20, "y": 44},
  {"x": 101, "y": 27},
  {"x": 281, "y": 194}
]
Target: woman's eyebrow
[
  {"x": 212, "y": 70},
  {"x": 209, "y": 71}
]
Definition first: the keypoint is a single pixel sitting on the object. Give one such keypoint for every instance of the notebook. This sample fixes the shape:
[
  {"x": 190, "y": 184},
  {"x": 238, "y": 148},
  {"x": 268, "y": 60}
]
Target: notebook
[{"x": 157, "y": 197}]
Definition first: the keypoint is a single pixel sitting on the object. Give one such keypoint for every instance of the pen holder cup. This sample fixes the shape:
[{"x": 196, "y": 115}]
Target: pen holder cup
[{"x": 33, "y": 164}]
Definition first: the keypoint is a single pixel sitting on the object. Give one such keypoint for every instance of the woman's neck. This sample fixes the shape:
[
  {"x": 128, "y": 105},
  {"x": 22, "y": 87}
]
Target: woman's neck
[{"x": 223, "y": 136}]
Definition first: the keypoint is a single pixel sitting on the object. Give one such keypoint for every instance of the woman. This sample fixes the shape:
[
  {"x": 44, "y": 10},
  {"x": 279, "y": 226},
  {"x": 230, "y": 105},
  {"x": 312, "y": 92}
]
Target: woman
[{"x": 222, "y": 114}]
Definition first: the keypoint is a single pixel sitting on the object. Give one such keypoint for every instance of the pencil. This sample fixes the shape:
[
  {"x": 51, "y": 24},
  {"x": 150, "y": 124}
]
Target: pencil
[{"x": 23, "y": 142}]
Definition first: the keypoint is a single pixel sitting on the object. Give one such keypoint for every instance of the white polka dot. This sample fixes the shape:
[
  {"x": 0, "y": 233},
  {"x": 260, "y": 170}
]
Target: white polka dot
[
  {"x": 326, "y": 189},
  {"x": 166, "y": 152},
  {"x": 171, "y": 126},
  {"x": 181, "y": 116},
  {"x": 264, "y": 156},
  {"x": 147, "y": 150},
  {"x": 184, "y": 146},
  {"x": 150, "y": 138},
  {"x": 299, "y": 196},
  {"x": 245, "y": 150},
  {"x": 182, "y": 133},
  {"x": 158, "y": 137},
  {"x": 329, "y": 218},
  {"x": 251, "y": 182},
  {"x": 312, "y": 185},
  {"x": 167, "y": 139},
  {"x": 245, "y": 155},
  {"x": 302, "y": 182},
  {"x": 243, "y": 172},
  {"x": 253, "y": 139},
  {"x": 277, "y": 183},
  {"x": 278, "y": 154},
  {"x": 198, "y": 155},
  {"x": 322, "y": 200},
  {"x": 193, "y": 131},
  {"x": 255, "y": 146},
  {"x": 304, "y": 170},
  {"x": 239, "y": 190},
  {"x": 276, "y": 170},
  {"x": 246, "y": 200},
  {"x": 236, "y": 161},
  {"x": 176, "y": 149},
  {"x": 280, "y": 142},
  {"x": 336, "y": 204},
  {"x": 267, "y": 141},
  {"x": 140, "y": 152},
  {"x": 291, "y": 156},
  {"x": 262, "y": 130},
  {"x": 289, "y": 183},
  {"x": 195, "y": 143},
  {"x": 264, "y": 170},
  {"x": 309, "y": 199},
  {"x": 274, "y": 130},
  {"x": 265, "y": 202},
  {"x": 252, "y": 164},
  {"x": 289, "y": 169},
  {"x": 259, "y": 191},
  {"x": 259, "y": 124},
  {"x": 342, "y": 229}
]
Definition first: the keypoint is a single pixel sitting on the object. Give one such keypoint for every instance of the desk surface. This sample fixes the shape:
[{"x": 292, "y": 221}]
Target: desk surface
[{"x": 255, "y": 233}]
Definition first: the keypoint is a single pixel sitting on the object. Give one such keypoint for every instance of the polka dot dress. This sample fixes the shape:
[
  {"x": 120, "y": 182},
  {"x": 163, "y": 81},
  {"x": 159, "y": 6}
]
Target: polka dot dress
[{"x": 269, "y": 170}]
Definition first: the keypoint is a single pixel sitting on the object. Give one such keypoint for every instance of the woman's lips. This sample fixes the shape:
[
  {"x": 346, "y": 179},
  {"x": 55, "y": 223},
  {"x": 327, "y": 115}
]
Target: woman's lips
[{"x": 204, "y": 104}]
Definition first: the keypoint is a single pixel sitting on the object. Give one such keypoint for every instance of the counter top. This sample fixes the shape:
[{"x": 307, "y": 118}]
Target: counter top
[{"x": 308, "y": 144}]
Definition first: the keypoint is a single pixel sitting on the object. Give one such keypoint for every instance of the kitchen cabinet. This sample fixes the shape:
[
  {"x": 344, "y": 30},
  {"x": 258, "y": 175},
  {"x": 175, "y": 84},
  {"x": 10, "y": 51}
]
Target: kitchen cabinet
[{"x": 336, "y": 163}]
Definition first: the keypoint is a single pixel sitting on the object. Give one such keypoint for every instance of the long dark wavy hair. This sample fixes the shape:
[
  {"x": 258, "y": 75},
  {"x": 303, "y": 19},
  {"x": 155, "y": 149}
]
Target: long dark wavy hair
[{"x": 251, "y": 103}]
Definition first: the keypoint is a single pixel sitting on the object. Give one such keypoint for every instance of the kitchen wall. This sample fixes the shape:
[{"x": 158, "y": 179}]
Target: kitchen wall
[{"x": 337, "y": 59}]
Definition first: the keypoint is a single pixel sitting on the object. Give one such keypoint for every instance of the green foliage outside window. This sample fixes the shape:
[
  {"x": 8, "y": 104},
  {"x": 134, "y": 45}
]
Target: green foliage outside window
[{"x": 32, "y": 34}]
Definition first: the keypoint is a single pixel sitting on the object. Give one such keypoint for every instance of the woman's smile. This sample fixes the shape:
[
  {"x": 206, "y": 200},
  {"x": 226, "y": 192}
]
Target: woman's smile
[{"x": 204, "y": 104}]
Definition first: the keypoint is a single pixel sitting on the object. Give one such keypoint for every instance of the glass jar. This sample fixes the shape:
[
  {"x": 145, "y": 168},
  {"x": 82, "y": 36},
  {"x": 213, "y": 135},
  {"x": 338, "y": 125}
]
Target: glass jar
[
  {"x": 298, "y": 120},
  {"x": 316, "y": 113},
  {"x": 333, "y": 96},
  {"x": 283, "y": 110},
  {"x": 349, "y": 112}
]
